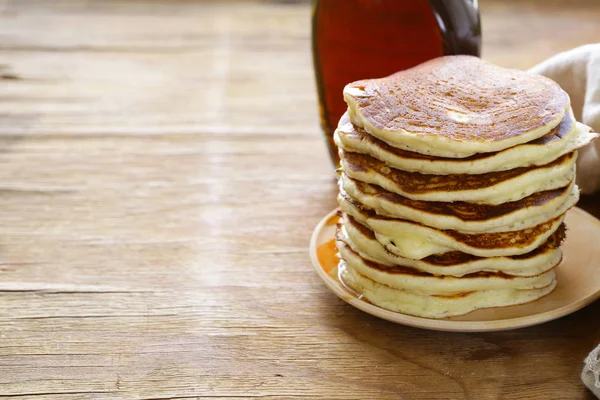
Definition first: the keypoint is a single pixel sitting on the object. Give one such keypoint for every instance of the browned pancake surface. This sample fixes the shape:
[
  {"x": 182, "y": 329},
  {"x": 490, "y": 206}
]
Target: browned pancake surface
[
  {"x": 416, "y": 183},
  {"x": 460, "y": 209},
  {"x": 399, "y": 269},
  {"x": 501, "y": 103},
  {"x": 519, "y": 239},
  {"x": 494, "y": 240},
  {"x": 456, "y": 257},
  {"x": 358, "y": 133}
]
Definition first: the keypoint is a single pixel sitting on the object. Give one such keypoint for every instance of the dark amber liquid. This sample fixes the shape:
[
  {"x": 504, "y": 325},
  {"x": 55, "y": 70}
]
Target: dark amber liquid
[
  {"x": 361, "y": 39},
  {"x": 326, "y": 254}
]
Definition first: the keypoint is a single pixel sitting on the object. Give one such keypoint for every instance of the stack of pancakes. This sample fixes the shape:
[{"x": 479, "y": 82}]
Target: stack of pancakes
[{"x": 455, "y": 179}]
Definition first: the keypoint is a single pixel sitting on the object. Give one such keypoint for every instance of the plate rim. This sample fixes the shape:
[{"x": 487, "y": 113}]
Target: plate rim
[{"x": 446, "y": 325}]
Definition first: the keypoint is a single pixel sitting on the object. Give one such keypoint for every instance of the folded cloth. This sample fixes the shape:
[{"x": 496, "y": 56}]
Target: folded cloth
[
  {"x": 591, "y": 372},
  {"x": 578, "y": 72}
]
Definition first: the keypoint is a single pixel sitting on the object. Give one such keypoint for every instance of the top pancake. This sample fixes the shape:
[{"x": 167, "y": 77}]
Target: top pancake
[
  {"x": 457, "y": 106},
  {"x": 565, "y": 138}
]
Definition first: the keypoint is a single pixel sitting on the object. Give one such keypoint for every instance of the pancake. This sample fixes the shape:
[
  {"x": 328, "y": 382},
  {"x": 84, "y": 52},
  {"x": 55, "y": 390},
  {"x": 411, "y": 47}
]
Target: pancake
[
  {"x": 457, "y": 106},
  {"x": 411, "y": 240},
  {"x": 567, "y": 137},
  {"x": 490, "y": 188},
  {"x": 427, "y": 306},
  {"x": 362, "y": 240},
  {"x": 465, "y": 217},
  {"x": 405, "y": 278}
]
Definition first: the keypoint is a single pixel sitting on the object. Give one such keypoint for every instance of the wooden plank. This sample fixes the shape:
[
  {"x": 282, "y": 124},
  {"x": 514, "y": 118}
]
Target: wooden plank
[
  {"x": 520, "y": 34},
  {"x": 107, "y": 67}
]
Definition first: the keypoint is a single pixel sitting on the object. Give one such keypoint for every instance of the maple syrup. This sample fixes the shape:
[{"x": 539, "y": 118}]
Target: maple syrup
[{"x": 327, "y": 256}]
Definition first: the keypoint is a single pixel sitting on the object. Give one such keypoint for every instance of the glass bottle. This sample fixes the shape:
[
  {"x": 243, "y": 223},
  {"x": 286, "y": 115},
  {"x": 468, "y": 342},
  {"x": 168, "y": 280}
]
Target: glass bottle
[{"x": 361, "y": 39}]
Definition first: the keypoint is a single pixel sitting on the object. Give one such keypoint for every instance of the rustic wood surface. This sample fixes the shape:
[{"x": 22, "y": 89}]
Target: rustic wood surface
[{"x": 161, "y": 171}]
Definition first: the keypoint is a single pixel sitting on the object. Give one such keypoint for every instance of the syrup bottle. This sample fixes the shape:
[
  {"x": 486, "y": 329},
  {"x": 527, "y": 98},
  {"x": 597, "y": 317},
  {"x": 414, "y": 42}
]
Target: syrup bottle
[{"x": 362, "y": 39}]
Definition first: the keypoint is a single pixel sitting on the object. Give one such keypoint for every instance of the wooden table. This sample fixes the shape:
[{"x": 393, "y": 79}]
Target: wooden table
[{"x": 161, "y": 171}]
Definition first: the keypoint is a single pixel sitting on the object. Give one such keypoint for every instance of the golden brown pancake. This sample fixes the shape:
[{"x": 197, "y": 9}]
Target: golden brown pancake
[
  {"x": 414, "y": 182},
  {"x": 491, "y": 188},
  {"x": 568, "y": 136},
  {"x": 435, "y": 306},
  {"x": 456, "y": 106},
  {"x": 411, "y": 240},
  {"x": 460, "y": 209},
  {"x": 457, "y": 264},
  {"x": 400, "y": 277},
  {"x": 357, "y": 133},
  {"x": 462, "y": 216},
  {"x": 454, "y": 258}
]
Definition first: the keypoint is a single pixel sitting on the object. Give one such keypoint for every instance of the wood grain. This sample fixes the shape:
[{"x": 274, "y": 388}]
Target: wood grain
[{"x": 161, "y": 171}]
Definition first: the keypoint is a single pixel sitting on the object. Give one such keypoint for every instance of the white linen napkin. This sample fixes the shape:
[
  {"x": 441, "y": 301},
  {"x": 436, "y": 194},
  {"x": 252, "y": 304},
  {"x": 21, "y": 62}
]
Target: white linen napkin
[
  {"x": 591, "y": 372},
  {"x": 577, "y": 71}
]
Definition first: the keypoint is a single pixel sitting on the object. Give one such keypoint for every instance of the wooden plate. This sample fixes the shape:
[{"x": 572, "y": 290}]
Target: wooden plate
[{"x": 578, "y": 278}]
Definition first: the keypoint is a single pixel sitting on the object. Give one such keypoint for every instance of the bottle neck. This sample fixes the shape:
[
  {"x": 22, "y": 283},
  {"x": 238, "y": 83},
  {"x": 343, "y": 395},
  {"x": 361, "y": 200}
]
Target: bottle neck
[{"x": 459, "y": 24}]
